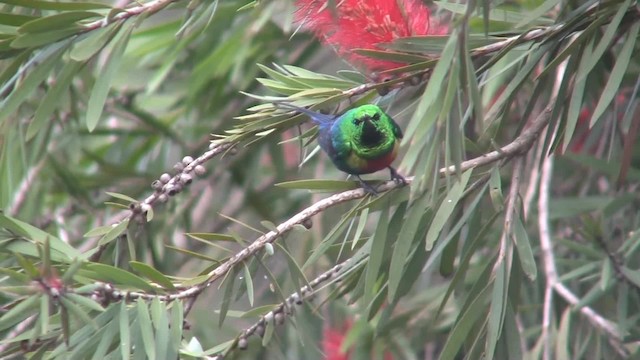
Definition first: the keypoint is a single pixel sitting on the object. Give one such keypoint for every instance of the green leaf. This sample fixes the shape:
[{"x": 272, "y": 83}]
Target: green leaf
[
  {"x": 106, "y": 341},
  {"x": 258, "y": 311},
  {"x": 91, "y": 43},
  {"x": 268, "y": 333},
  {"x": 565, "y": 336},
  {"x": 537, "y": 13},
  {"x": 523, "y": 246},
  {"x": 78, "y": 312},
  {"x": 146, "y": 329},
  {"x": 41, "y": 38},
  {"x": 605, "y": 40},
  {"x": 161, "y": 323},
  {"x": 631, "y": 275},
  {"x": 248, "y": 280},
  {"x": 101, "y": 88},
  {"x": 55, "y": 22},
  {"x": 126, "y": 198},
  {"x": 22, "y": 310},
  {"x": 499, "y": 303},
  {"x": 27, "y": 266},
  {"x": 63, "y": 251},
  {"x": 52, "y": 98},
  {"x": 12, "y": 19},
  {"x": 362, "y": 221},
  {"x": 114, "y": 232},
  {"x": 607, "y": 274},
  {"x": 84, "y": 301},
  {"x": 294, "y": 269},
  {"x": 326, "y": 185},
  {"x": 18, "y": 276},
  {"x": 43, "y": 316},
  {"x": 421, "y": 118},
  {"x": 414, "y": 215},
  {"x": 227, "y": 294},
  {"x": 465, "y": 322},
  {"x": 575, "y": 104},
  {"x": 125, "y": 333},
  {"x": 99, "y": 231},
  {"x": 119, "y": 277},
  {"x": 446, "y": 208},
  {"x": 175, "y": 329},
  {"x": 56, "y": 5},
  {"x": 513, "y": 17},
  {"x": 617, "y": 74},
  {"x": 152, "y": 274},
  {"x": 28, "y": 86},
  {"x": 376, "y": 254}
]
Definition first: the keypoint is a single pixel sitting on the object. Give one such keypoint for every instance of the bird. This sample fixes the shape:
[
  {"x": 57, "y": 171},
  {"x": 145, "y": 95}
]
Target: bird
[{"x": 363, "y": 140}]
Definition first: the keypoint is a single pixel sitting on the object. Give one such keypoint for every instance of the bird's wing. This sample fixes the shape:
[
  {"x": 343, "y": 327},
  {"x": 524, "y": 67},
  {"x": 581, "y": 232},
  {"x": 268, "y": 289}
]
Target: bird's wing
[{"x": 340, "y": 142}]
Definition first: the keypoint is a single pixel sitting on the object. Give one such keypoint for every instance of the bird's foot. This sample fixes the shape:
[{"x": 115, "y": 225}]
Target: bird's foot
[
  {"x": 396, "y": 177},
  {"x": 367, "y": 188}
]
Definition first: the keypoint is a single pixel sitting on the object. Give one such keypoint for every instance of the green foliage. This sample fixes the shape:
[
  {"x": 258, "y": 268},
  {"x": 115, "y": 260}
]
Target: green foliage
[{"x": 116, "y": 243}]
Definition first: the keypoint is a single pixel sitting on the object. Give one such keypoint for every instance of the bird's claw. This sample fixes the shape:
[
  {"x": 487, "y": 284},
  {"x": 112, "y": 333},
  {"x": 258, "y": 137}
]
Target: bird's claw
[
  {"x": 366, "y": 187},
  {"x": 396, "y": 177}
]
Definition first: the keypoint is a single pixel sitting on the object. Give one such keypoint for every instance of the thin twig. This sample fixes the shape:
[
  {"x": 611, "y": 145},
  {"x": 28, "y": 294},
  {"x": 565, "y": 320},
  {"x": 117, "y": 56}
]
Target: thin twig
[
  {"x": 165, "y": 189},
  {"x": 149, "y": 8},
  {"x": 21, "y": 327},
  {"x": 285, "y": 308},
  {"x": 553, "y": 281},
  {"x": 510, "y": 212}
]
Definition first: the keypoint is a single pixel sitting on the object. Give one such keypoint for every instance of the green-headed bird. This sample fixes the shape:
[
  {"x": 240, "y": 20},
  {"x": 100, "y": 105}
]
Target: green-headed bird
[{"x": 363, "y": 140}]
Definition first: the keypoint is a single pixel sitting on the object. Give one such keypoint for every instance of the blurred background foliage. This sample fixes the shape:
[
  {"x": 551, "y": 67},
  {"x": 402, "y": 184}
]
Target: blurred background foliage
[{"x": 122, "y": 224}]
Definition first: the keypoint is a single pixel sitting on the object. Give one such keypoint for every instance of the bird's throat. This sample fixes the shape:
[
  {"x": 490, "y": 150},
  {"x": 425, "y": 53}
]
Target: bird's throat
[{"x": 371, "y": 137}]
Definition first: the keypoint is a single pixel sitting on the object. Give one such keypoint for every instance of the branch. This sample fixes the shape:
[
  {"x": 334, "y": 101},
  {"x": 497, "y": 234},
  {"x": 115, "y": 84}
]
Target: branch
[
  {"x": 278, "y": 314},
  {"x": 510, "y": 211},
  {"x": 553, "y": 281},
  {"x": 150, "y": 8},
  {"x": 167, "y": 186}
]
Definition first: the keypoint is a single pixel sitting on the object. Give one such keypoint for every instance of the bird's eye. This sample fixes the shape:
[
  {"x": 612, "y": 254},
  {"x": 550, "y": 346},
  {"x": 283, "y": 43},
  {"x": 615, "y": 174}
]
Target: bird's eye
[
  {"x": 357, "y": 121},
  {"x": 375, "y": 117}
]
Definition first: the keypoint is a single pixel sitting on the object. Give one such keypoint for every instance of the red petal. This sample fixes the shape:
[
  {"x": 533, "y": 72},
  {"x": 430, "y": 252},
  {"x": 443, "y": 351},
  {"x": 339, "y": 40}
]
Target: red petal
[{"x": 362, "y": 24}]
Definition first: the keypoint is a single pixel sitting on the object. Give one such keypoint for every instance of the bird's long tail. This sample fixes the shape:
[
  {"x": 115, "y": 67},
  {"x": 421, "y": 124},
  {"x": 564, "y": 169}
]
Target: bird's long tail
[{"x": 315, "y": 116}]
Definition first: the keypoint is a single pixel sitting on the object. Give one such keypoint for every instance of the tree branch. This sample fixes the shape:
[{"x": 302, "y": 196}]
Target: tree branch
[{"x": 553, "y": 281}]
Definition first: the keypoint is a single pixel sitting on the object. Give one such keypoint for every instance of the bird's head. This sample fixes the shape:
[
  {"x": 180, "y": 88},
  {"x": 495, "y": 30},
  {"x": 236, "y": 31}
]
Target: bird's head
[{"x": 370, "y": 127}]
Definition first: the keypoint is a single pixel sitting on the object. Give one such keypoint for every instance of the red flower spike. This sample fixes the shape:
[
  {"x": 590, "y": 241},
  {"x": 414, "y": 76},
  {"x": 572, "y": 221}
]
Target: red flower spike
[
  {"x": 332, "y": 343},
  {"x": 363, "y": 24}
]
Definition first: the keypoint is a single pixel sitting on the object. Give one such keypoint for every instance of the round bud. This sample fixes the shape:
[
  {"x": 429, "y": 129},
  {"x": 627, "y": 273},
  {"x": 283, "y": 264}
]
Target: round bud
[
  {"x": 187, "y": 160},
  {"x": 186, "y": 179},
  {"x": 268, "y": 317},
  {"x": 279, "y": 319},
  {"x": 173, "y": 190},
  {"x": 268, "y": 248},
  {"x": 178, "y": 167},
  {"x": 165, "y": 178},
  {"x": 260, "y": 330},
  {"x": 243, "y": 343},
  {"x": 163, "y": 198},
  {"x": 156, "y": 185},
  {"x": 200, "y": 170}
]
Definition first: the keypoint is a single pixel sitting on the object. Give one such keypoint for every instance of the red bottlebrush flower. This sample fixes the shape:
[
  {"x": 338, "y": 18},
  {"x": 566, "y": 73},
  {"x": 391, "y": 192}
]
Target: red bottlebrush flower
[
  {"x": 363, "y": 24},
  {"x": 332, "y": 340},
  {"x": 332, "y": 343}
]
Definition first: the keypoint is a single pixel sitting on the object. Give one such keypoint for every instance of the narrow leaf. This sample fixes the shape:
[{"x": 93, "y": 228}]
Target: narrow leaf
[{"x": 101, "y": 88}]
